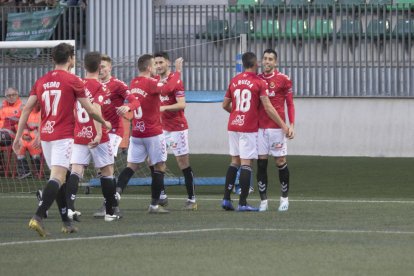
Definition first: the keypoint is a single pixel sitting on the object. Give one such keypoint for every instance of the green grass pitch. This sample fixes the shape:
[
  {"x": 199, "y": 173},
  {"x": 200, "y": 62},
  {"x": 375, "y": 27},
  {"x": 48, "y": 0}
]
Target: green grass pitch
[{"x": 347, "y": 216}]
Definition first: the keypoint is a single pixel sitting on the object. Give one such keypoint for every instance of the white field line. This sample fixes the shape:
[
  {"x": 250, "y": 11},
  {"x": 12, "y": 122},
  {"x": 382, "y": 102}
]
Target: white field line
[
  {"x": 191, "y": 231},
  {"x": 202, "y": 198}
]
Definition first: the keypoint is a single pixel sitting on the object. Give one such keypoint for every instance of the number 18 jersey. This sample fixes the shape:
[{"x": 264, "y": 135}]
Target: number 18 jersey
[
  {"x": 245, "y": 91},
  {"x": 57, "y": 92},
  {"x": 85, "y": 130}
]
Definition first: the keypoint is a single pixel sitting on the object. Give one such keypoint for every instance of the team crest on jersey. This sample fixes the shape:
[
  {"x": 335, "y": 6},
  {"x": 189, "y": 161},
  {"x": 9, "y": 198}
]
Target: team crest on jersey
[
  {"x": 48, "y": 127},
  {"x": 238, "y": 121},
  {"x": 272, "y": 85},
  {"x": 86, "y": 132},
  {"x": 140, "y": 125}
]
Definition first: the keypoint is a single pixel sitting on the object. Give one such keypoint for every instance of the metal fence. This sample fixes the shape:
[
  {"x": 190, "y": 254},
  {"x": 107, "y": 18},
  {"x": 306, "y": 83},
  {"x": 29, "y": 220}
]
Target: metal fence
[{"x": 327, "y": 50}]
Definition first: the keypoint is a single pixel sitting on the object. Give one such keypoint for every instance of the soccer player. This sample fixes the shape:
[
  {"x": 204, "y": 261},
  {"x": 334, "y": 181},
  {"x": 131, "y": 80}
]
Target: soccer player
[
  {"x": 113, "y": 110},
  {"x": 175, "y": 127},
  {"x": 272, "y": 140},
  {"x": 57, "y": 92},
  {"x": 92, "y": 141},
  {"x": 147, "y": 140},
  {"x": 242, "y": 100}
]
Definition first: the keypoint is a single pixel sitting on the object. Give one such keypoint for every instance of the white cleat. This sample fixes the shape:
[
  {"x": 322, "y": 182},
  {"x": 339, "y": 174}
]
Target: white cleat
[
  {"x": 284, "y": 204},
  {"x": 113, "y": 217},
  {"x": 74, "y": 215},
  {"x": 263, "y": 206}
]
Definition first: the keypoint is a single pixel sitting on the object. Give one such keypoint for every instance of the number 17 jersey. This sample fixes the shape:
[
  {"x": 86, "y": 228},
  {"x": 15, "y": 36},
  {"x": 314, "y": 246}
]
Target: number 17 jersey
[
  {"x": 57, "y": 92},
  {"x": 245, "y": 91}
]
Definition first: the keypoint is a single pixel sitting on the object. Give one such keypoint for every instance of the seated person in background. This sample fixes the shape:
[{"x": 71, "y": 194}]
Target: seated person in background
[
  {"x": 31, "y": 143},
  {"x": 9, "y": 116}
]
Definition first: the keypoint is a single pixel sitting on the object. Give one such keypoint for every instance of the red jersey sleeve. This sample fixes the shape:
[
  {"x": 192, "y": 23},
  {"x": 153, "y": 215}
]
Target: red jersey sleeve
[
  {"x": 289, "y": 101},
  {"x": 179, "y": 89},
  {"x": 170, "y": 85},
  {"x": 79, "y": 87},
  {"x": 133, "y": 102}
]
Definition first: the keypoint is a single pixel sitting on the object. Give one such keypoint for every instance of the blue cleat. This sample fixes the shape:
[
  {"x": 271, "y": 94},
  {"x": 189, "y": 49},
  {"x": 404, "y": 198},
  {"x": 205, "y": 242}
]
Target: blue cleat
[
  {"x": 247, "y": 208},
  {"x": 227, "y": 205}
]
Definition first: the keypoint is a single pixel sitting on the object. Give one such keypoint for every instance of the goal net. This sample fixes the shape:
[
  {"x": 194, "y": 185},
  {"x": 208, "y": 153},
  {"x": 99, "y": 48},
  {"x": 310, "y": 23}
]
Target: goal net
[{"x": 20, "y": 70}]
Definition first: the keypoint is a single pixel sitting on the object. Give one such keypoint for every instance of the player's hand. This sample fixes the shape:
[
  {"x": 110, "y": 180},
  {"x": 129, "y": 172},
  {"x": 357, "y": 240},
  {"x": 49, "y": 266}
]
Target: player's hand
[
  {"x": 17, "y": 144},
  {"x": 36, "y": 142},
  {"x": 291, "y": 133},
  {"x": 95, "y": 142},
  {"x": 108, "y": 126},
  {"x": 162, "y": 108},
  {"x": 179, "y": 64},
  {"x": 121, "y": 110},
  {"x": 285, "y": 130}
]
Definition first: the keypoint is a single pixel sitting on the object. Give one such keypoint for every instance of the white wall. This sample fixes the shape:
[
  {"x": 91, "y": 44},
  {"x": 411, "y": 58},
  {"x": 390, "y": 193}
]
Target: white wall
[{"x": 327, "y": 127}]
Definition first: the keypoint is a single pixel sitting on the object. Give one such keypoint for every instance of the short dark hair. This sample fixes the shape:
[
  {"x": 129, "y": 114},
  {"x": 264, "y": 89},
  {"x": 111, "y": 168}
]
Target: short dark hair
[
  {"x": 162, "y": 54},
  {"x": 62, "y": 52},
  {"x": 92, "y": 61},
  {"x": 270, "y": 51},
  {"x": 106, "y": 58},
  {"x": 144, "y": 62},
  {"x": 249, "y": 60}
]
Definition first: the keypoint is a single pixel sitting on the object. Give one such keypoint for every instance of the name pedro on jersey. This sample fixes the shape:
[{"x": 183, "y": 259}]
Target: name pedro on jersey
[
  {"x": 243, "y": 82},
  {"x": 52, "y": 84}
]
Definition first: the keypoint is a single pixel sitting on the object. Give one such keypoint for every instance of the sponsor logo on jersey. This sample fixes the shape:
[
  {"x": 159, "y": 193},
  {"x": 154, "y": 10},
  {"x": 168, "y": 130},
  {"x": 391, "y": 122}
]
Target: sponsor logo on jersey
[
  {"x": 272, "y": 94},
  {"x": 48, "y": 127},
  {"x": 238, "y": 121},
  {"x": 164, "y": 98},
  {"x": 86, "y": 132},
  {"x": 107, "y": 101},
  {"x": 140, "y": 125}
]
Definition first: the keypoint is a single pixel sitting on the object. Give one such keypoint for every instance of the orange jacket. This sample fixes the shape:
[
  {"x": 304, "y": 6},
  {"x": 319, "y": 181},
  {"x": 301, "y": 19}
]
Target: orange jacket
[{"x": 10, "y": 114}]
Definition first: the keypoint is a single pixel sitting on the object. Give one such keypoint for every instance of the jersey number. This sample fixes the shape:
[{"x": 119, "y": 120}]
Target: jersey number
[
  {"x": 243, "y": 98},
  {"x": 138, "y": 113},
  {"x": 46, "y": 99},
  {"x": 83, "y": 116}
]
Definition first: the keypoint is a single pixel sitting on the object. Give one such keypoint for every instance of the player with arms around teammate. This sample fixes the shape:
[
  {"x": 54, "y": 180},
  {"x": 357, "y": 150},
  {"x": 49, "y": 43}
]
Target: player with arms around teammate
[
  {"x": 57, "y": 92},
  {"x": 92, "y": 141},
  {"x": 242, "y": 100},
  {"x": 272, "y": 140},
  {"x": 175, "y": 127},
  {"x": 113, "y": 110},
  {"x": 147, "y": 140}
]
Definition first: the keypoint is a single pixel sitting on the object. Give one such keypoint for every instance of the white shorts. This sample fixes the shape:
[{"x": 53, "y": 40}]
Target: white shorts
[
  {"x": 177, "y": 142},
  {"x": 243, "y": 144},
  {"x": 102, "y": 155},
  {"x": 272, "y": 141},
  {"x": 58, "y": 153},
  {"x": 152, "y": 147},
  {"x": 115, "y": 141}
]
